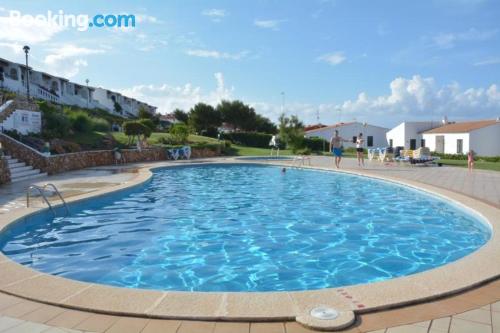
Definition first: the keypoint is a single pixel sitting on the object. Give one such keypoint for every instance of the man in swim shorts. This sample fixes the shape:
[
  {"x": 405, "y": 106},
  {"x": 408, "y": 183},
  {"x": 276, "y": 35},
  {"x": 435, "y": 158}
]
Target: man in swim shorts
[{"x": 336, "y": 148}]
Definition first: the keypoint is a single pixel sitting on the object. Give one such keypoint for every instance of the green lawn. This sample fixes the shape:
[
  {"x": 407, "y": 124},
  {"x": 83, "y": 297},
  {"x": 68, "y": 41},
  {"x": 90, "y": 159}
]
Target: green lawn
[
  {"x": 495, "y": 166},
  {"x": 251, "y": 151},
  {"x": 157, "y": 136}
]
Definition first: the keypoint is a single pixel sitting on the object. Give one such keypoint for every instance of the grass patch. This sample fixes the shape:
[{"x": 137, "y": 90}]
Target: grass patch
[
  {"x": 483, "y": 165},
  {"x": 252, "y": 151},
  {"x": 91, "y": 139}
]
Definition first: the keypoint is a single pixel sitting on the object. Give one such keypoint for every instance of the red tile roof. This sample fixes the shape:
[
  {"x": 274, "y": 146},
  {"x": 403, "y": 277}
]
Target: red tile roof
[
  {"x": 332, "y": 126},
  {"x": 463, "y": 127}
]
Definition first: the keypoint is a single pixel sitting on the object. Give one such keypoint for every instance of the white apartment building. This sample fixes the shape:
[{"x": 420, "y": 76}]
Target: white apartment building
[
  {"x": 60, "y": 90},
  {"x": 408, "y": 134},
  {"x": 481, "y": 136},
  {"x": 374, "y": 136}
]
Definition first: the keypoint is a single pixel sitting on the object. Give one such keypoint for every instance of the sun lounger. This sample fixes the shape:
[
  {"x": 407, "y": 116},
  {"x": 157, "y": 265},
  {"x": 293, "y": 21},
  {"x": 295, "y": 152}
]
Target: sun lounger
[
  {"x": 173, "y": 154},
  {"x": 378, "y": 153},
  {"x": 185, "y": 152}
]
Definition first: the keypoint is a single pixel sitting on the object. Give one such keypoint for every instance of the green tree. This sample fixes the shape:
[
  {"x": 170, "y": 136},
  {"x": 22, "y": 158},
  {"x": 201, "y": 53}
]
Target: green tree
[
  {"x": 143, "y": 114},
  {"x": 134, "y": 129},
  {"x": 264, "y": 125},
  {"x": 204, "y": 119},
  {"x": 238, "y": 114},
  {"x": 291, "y": 132},
  {"x": 179, "y": 133},
  {"x": 56, "y": 124},
  {"x": 80, "y": 121},
  {"x": 118, "y": 108},
  {"x": 154, "y": 117},
  {"x": 181, "y": 116},
  {"x": 148, "y": 123}
]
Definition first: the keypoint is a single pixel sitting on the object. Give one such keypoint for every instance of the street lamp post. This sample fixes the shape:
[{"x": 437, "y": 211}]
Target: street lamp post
[
  {"x": 88, "y": 92},
  {"x": 26, "y": 49}
]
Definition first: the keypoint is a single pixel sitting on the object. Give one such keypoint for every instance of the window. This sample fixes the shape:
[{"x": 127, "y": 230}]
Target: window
[
  {"x": 460, "y": 146},
  {"x": 413, "y": 144},
  {"x": 369, "y": 141},
  {"x": 422, "y": 143},
  {"x": 24, "y": 118},
  {"x": 13, "y": 74},
  {"x": 391, "y": 143}
]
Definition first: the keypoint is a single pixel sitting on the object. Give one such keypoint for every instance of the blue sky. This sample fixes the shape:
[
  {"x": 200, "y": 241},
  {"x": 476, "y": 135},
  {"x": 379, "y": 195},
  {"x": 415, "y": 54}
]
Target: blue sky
[{"x": 375, "y": 61}]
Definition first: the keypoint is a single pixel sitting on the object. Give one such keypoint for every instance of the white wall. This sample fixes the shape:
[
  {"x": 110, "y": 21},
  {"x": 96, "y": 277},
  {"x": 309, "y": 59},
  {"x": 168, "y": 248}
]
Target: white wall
[
  {"x": 23, "y": 121},
  {"x": 65, "y": 92},
  {"x": 404, "y": 132},
  {"x": 397, "y": 135},
  {"x": 450, "y": 142},
  {"x": 486, "y": 141},
  {"x": 349, "y": 130}
]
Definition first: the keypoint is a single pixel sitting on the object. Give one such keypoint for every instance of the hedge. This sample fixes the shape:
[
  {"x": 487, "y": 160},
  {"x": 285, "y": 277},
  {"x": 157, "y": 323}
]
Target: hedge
[
  {"x": 249, "y": 139},
  {"x": 464, "y": 157},
  {"x": 316, "y": 144}
]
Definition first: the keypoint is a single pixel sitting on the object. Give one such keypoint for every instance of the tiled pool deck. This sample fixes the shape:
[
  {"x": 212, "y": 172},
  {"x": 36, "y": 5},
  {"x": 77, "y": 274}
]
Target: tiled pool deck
[{"x": 479, "y": 316}]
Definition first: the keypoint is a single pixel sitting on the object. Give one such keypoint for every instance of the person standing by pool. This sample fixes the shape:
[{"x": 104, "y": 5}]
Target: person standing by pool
[
  {"x": 470, "y": 160},
  {"x": 336, "y": 148},
  {"x": 359, "y": 150}
]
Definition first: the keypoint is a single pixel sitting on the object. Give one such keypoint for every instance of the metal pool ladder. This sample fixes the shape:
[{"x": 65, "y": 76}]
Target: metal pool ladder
[{"x": 41, "y": 191}]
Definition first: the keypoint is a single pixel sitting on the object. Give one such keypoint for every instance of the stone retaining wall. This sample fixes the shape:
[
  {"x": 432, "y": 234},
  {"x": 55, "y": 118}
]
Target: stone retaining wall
[
  {"x": 4, "y": 171},
  {"x": 75, "y": 161},
  {"x": 23, "y": 152}
]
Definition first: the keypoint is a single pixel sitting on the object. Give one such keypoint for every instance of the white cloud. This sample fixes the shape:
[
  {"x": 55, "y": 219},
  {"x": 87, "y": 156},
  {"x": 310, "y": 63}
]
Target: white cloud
[
  {"x": 202, "y": 53},
  {"x": 67, "y": 59},
  {"x": 414, "y": 98},
  {"x": 144, "y": 18},
  {"x": 215, "y": 15},
  {"x": 268, "y": 24},
  {"x": 422, "y": 98},
  {"x": 448, "y": 40},
  {"x": 14, "y": 30},
  {"x": 333, "y": 59},
  {"x": 68, "y": 51},
  {"x": 167, "y": 98},
  {"x": 16, "y": 48},
  {"x": 489, "y": 61}
]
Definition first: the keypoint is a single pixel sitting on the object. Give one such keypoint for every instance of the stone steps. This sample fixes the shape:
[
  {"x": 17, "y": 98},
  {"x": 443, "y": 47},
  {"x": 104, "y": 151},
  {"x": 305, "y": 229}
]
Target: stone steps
[{"x": 19, "y": 171}]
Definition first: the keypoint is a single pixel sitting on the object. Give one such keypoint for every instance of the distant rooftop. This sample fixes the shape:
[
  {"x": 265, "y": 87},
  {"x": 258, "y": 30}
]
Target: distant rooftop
[
  {"x": 462, "y": 127},
  {"x": 331, "y": 126}
]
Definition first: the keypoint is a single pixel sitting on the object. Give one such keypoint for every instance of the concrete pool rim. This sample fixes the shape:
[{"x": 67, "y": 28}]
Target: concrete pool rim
[{"x": 472, "y": 270}]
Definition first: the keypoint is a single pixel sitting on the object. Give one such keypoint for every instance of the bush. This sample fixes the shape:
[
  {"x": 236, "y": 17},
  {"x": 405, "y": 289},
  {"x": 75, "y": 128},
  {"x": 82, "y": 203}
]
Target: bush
[
  {"x": 179, "y": 133},
  {"x": 80, "y": 122},
  {"x": 249, "y": 139},
  {"x": 305, "y": 151},
  {"x": 464, "y": 157},
  {"x": 148, "y": 123},
  {"x": 100, "y": 125},
  {"x": 316, "y": 144},
  {"x": 135, "y": 128},
  {"x": 56, "y": 124}
]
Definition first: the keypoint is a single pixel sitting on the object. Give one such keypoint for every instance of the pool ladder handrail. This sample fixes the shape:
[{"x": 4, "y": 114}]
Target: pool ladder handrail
[{"x": 41, "y": 190}]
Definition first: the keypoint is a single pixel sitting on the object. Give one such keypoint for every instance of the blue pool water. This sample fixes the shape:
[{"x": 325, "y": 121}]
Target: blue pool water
[{"x": 247, "y": 228}]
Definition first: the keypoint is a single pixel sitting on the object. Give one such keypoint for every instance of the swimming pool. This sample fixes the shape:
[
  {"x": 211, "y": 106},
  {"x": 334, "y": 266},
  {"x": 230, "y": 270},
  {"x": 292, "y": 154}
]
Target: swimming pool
[{"x": 247, "y": 228}]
